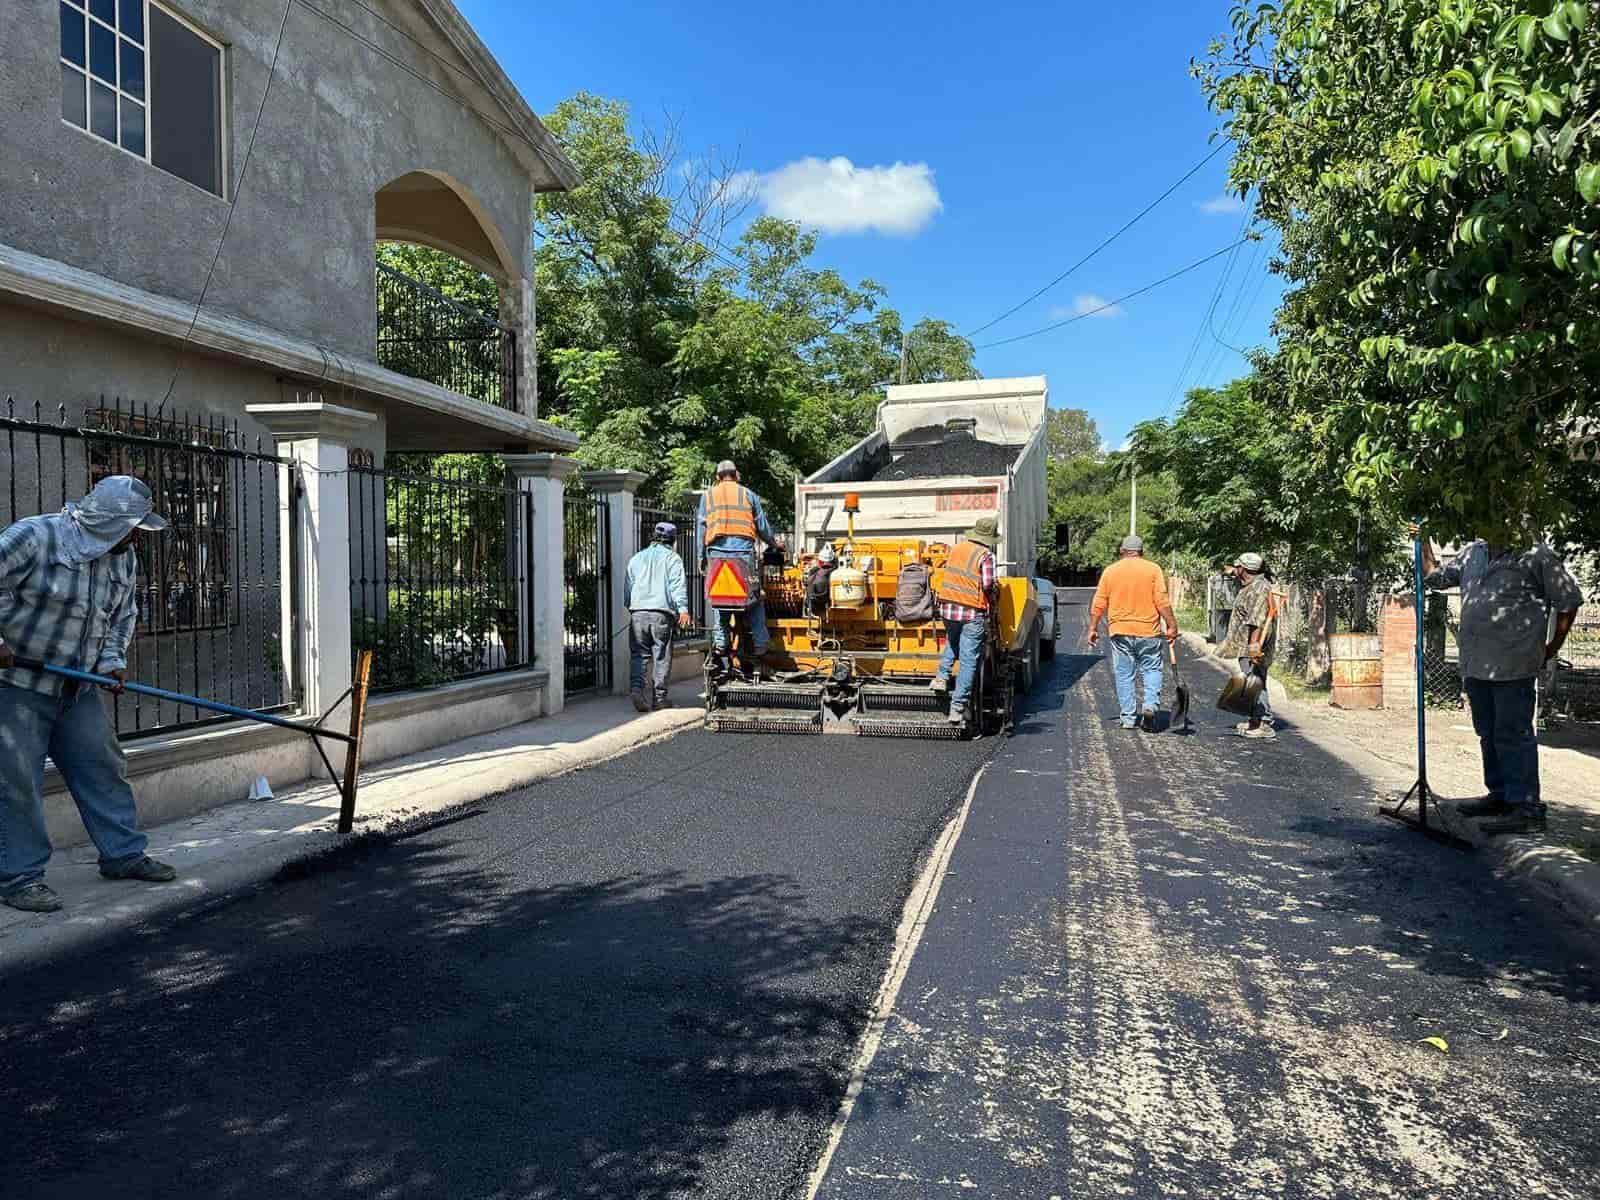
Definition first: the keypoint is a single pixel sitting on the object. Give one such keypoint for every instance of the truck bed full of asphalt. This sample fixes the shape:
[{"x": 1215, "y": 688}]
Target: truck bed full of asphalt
[{"x": 645, "y": 979}]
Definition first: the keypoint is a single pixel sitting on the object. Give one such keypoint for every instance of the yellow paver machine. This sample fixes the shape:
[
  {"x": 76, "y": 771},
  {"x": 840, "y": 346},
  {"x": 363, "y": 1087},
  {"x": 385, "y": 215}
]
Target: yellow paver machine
[{"x": 844, "y": 664}]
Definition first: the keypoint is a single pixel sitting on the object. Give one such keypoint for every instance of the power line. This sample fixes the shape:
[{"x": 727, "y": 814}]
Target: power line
[
  {"x": 233, "y": 203},
  {"x": 1200, "y": 333},
  {"x": 1145, "y": 211},
  {"x": 1098, "y": 309}
]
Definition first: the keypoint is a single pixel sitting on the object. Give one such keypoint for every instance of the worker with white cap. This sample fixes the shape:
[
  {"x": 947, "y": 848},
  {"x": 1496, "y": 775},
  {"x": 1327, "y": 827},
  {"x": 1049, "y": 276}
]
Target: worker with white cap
[
  {"x": 1252, "y": 637},
  {"x": 656, "y": 594},
  {"x": 1132, "y": 597},
  {"x": 729, "y": 523},
  {"x": 68, "y": 597}
]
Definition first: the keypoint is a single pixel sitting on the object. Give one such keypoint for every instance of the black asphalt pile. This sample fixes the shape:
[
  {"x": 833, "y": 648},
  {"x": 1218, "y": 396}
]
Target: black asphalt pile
[{"x": 953, "y": 456}]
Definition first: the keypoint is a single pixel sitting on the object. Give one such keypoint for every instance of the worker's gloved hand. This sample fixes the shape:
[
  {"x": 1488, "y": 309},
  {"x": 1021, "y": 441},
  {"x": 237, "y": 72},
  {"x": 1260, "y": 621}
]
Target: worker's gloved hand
[
  {"x": 120, "y": 677},
  {"x": 8, "y": 658}
]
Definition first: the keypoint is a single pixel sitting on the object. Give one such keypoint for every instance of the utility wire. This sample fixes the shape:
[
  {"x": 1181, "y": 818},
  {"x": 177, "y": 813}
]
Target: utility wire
[
  {"x": 233, "y": 203},
  {"x": 1199, "y": 334},
  {"x": 1142, "y": 213},
  {"x": 1149, "y": 287}
]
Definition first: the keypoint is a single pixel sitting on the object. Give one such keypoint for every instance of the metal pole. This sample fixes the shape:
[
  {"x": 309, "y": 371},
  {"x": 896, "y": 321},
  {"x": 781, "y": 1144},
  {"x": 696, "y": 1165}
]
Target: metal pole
[
  {"x": 1421, "y": 650},
  {"x": 1133, "y": 506}
]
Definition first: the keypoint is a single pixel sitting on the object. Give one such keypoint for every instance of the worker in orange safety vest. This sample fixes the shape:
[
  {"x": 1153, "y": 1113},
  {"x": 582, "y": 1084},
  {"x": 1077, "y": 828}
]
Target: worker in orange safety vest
[
  {"x": 965, "y": 589},
  {"x": 730, "y": 522}
]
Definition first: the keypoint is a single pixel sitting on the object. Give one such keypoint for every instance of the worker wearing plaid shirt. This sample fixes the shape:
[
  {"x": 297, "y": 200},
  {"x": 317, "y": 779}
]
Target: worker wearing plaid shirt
[
  {"x": 68, "y": 597},
  {"x": 965, "y": 591}
]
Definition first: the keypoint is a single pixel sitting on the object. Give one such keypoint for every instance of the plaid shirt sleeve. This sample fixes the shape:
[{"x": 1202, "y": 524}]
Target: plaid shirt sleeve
[
  {"x": 114, "y": 650},
  {"x": 17, "y": 554},
  {"x": 988, "y": 573}
]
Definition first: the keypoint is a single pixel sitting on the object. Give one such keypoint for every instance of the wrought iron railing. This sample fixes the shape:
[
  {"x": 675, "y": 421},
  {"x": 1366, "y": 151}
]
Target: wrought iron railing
[
  {"x": 647, "y": 521},
  {"x": 587, "y": 553},
  {"x": 214, "y": 611},
  {"x": 439, "y": 576},
  {"x": 426, "y": 335}
]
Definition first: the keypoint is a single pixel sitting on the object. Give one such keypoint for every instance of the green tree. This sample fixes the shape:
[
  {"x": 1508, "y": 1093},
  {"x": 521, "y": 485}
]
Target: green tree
[
  {"x": 1072, "y": 434},
  {"x": 1433, "y": 167},
  {"x": 1250, "y": 479}
]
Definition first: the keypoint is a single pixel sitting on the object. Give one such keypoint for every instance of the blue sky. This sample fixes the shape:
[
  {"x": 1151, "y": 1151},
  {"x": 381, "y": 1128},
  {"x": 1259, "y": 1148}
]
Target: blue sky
[{"x": 1025, "y": 133}]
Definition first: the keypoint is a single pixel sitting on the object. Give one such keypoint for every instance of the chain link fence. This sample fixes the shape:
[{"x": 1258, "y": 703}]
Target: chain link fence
[{"x": 1572, "y": 684}]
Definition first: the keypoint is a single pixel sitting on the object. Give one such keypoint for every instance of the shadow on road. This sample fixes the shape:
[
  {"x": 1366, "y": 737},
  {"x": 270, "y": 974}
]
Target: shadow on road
[{"x": 430, "y": 1029}]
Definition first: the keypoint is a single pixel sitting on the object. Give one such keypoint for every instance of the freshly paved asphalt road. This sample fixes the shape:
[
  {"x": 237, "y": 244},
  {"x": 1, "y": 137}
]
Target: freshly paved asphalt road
[
  {"x": 1158, "y": 966},
  {"x": 646, "y": 979},
  {"x": 1199, "y": 966}
]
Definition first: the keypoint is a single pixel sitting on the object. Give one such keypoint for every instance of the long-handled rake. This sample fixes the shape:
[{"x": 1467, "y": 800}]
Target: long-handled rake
[{"x": 357, "y": 695}]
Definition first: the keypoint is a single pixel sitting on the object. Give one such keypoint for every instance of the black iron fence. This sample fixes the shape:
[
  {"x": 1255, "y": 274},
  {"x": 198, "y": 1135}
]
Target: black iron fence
[
  {"x": 426, "y": 335},
  {"x": 587, "y": 571},
  {"x": 215, "y": 616},
  {"x": 440, "y": 571},
  {"x": 647, "y": 519}
]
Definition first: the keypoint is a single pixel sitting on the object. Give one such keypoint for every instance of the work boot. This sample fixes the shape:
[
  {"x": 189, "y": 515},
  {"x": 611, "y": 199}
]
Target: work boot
[
  {"x": 1147, "y": 719},
  {"x": 1484, "y": 806},
  {"x": 640, "y": 704},
  {"x": 1264, "y": 733},
  {"x": 938, "y": 684},
  {"x": 958, "y": 714},
  {"x": 144, "y": 869},
  {"x": 33, "y": 898},
  {"x": 662, "y": 702},
  {"x": 1525, "y": 818}
]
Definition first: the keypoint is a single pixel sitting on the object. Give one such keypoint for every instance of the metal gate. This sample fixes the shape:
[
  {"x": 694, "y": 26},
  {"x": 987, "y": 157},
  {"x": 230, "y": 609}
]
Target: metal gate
[{"x": 587, "y": 570}]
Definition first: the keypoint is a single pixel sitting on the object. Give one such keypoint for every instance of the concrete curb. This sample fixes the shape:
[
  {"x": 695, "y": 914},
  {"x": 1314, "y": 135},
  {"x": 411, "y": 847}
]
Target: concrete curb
[
  {"x": 1562, "y": 875},
  {"x": 27, "y": 941},
  {"x": 1277, "y": 695}
]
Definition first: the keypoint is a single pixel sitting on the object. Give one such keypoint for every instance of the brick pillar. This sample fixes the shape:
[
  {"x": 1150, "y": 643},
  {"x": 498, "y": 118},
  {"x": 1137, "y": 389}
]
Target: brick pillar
[{"x": 1398, "y": 624}]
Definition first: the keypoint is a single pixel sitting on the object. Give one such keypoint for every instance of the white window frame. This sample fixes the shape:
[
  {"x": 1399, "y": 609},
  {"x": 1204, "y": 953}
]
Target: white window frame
[{"x": 90, "y": 78}]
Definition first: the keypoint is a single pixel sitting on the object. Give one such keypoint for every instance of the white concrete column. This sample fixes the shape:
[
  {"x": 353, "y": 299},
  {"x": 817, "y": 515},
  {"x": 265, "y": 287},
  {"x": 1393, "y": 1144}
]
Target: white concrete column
[
  {"x": 316, "y": 436},
  {"x": 619, "y": 488},
  {"x": 543, "y": 478},
  {"x": 517, "y": 312}
]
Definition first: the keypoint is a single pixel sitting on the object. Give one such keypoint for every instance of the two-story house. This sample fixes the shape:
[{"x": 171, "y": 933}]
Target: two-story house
[{"x": 192, "y": 198}]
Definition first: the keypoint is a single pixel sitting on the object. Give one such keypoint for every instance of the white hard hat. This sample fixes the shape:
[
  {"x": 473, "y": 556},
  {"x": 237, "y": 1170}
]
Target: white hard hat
[{"x": 825, "y": 554}]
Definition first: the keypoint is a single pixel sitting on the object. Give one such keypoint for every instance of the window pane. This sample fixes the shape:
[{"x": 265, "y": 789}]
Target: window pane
[
  {"x": 106, "y": 10},
  {"x": 133, "y": 70},
  {"x": 72, "y": 35},
  {"x": 73, "y": 103},
  {"x": 103, "y": 53},
  {"x": 103, "y": 111},
  {"x": 185, "y": 103},
  {"x": 133, "y": 20},
  {"x": 132, "y": 127}
]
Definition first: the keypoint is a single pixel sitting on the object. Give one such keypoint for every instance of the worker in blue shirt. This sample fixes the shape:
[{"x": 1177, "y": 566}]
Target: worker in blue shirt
[
  {"x": 656, "y": 595},
  {"x": 730, "y": 522},
  {"x": 68, "y": 596}
]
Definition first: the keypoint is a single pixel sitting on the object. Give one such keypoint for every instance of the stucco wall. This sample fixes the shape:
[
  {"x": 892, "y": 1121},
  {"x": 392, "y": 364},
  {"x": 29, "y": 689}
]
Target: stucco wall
[{"x": 340, "y": 122}]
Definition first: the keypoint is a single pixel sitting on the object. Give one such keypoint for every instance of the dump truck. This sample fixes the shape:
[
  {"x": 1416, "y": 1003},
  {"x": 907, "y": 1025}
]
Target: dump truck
[{"x": 940, "y": 457}]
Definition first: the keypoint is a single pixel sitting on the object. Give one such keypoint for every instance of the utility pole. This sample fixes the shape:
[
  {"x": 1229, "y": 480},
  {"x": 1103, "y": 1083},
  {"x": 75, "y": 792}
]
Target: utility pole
[
  {"x": 1133, "y": 506},
  {"x": 902, "y": 359}
]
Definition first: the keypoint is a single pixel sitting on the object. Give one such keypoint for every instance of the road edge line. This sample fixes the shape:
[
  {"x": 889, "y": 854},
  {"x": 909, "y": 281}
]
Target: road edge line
[{"x": 913, "y": 921}]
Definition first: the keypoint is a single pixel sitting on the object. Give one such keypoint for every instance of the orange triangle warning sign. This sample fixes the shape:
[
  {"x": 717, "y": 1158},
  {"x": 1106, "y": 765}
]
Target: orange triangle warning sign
[{"x": 727, "y": 584}]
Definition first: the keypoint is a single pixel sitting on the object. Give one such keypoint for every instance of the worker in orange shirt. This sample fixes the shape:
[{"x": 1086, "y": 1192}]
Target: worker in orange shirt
[{"x": 1133, "y": 600}]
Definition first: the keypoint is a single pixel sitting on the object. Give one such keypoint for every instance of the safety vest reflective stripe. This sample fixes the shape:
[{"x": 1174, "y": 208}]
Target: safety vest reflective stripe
[
  {"x": 961, "y": 582},
  {"x": 730, "y": 512}
]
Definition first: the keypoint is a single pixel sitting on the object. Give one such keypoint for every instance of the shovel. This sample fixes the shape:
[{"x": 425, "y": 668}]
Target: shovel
[{"x": 1180, "y": 708}]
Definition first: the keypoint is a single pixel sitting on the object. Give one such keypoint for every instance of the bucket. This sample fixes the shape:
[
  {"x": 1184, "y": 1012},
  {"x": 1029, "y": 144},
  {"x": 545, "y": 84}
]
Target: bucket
[{"x": 1357, "y": 660}]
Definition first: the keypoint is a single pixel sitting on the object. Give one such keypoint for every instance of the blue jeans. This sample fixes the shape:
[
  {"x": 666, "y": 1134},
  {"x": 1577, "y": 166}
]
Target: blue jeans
[
  {"x": 1502, "y": 717},
  {"x": 77, "y": 735},
  {"x": 965, "y": 637},
  {"x": 1133, "y": 658}
]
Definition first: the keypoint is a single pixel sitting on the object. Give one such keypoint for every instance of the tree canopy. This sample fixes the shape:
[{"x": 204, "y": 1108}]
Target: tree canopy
[{"x": 1433, "y": 168}]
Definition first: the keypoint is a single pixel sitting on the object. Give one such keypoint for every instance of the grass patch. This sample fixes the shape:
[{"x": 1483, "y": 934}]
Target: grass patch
[
  {"x": 1295, "y": 684},
  {"x": 1193, "y": 619}
]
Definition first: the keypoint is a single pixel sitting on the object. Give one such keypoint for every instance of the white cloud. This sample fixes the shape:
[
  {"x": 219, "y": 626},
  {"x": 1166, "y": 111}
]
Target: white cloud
[
  {"x": 836, "y": 196},
  {"x": 1221, "y": 206},
  {"x": 1087, "y": 304}
]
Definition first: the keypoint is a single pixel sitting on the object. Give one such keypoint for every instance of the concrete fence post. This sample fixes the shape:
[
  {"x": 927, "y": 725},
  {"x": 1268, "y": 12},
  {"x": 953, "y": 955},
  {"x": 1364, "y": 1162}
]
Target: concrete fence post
[
  {"x": 543, "y": 478},
  {"x": 620, "y": 489},
  {"x": 317, "y": 437}
]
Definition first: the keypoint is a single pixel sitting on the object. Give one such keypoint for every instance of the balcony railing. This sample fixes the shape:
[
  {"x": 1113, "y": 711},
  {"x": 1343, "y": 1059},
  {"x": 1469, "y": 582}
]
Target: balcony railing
[{"x": 426, "y": 335}]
